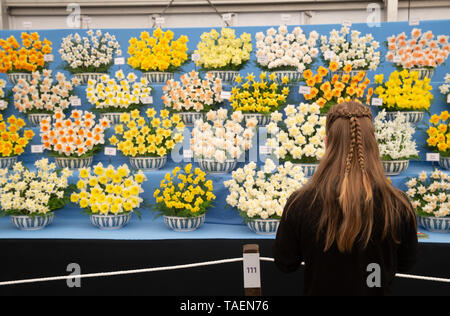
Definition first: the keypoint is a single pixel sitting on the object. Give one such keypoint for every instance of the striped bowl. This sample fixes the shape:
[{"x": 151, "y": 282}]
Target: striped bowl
[
  {"x": 394, "y": 167},
  {"x": 352, "y": 73},
  {"x": 412, "y": 116},
  {"x": 7, "y": 162},
  {"x": 308, "y": 169},
  {"x": 109, "y": 221},
  {"x": 213, "y": 166},
  {"x": 114, "y": 118},
  {"x": 435, "y": 224},
  {"x": 184, "y": 224},
  {"x": 25, "y": 222},
  {"x": 73, "y": 163},
  {"x": 84, "y": 77},
  {"x": 14, "y": 77},
  {"x": 158, "y": 76},
  {"x": 444, "y": 162},
  {"x": 262, "y": 119},
  {"x": 189, "y": 118},
  {"x": 264, "y": 226},
  {"x": 424, "y": 72},
  {"x": 293, "y": 76},
  {"x": 227, "y": 76},
  {"x": 36, "y": 118},
  {"x": 148, "y": 163}
]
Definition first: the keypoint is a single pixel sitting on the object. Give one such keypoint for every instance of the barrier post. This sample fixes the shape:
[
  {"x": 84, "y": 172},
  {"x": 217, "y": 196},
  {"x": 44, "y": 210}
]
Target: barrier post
[{"x": 252, "y": 274}]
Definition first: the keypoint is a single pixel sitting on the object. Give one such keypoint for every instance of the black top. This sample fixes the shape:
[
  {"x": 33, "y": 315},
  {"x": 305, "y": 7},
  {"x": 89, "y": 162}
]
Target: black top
[{"x": 333, "y": 272}]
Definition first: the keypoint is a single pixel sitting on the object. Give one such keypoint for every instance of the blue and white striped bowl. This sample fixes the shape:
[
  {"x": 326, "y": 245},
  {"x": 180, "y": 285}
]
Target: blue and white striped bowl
[
  {"x": 264, "y": 226},
  {"x": 158, "y": 76},
  {"x": 412, "y": 116},
  {"x": 114, "y": 118},
  {"x": 7, "y": 162},
  {"x": 14, "y": 77},
  {"x": 424, "y": 72},
  {"x": 227, "y": 76},
  {"x": 308, "y": 169},
  {"x": 293, "y": 76},
  {"x": 435, "y": 224},
  {"x": 24, "y": 222},
  {"x": 444, "y": 162},
  {"x": 36, "y": 118},
  {"x": 84, "y": 77},
  {"x": 262, "y": 119},
  {"x": 110, "y": 221},
  {"x": 184, "y": 224},
  {"x": 213, "y": 166},
  {"x": 189, "y": 118},
  {"x": 394, "y": 167},
  {"x": 352, "y": 73},
  {"x": 148, "y": 163},
  {"x": 73, "y": 163}
]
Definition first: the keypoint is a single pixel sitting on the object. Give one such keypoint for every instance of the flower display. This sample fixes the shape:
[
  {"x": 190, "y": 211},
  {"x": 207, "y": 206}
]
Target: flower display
[
  {"x": 184, "y": 192},
  {"x": 395, "y": 137},
  {"x": 223, "y": 51},
  {"x": 346, "y": 47},
  {"x": 92, "y": 53},
  {"x": 14, "y": 138},
  {"x": 77, "y": 135},
  {"x": 262, "y": 192},
  {"x": 404, "y": 91},
  {"x": 149, "y": 136},
  {"x": 300, "y": 137},
  {"x": 44, "y": 94},
  {"x": 160, "y": 52},
  {"x": 109, "y": 190},
  {"x": 119, "y": 93},
  {"x": 264, "y": 96},
  {"x": 445, "y": 88},
  {"x": 340, "y": 88},
  {"x": 27, "y": 57},
  {"x": 430, "y": 194},
  {"x": 192, "y": 93},
  {"x": 221, "y": 137},
  {"x": 3, "y": 102},
  {"x": 33, "y": 192},
  {"x": 281, "y": 50},
  {"x": 421, "y": 50},
  {"x": 439, "y": 133}
]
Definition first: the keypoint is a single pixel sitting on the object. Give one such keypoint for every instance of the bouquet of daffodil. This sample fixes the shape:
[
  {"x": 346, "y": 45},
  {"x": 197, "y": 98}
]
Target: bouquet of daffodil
[
  {"x": 27, "y": 57},
  {"x": 44, "y": 94},
  {"x": 91, "y": 53},
  {"x": 184, "y": 193},
  {"x": 349, "y": 48},
  {"x": 75, "y": 136},
  {"x": 223, "y": 51},
  {"x": 35, "y": 193},
  {"x": 13, "y": 140},
  {"x": 109, "y": 190},
  {"x": 262, "y": 192},
  {"x": 119, "y": 93},
  {"x": 439, "y": 133},
  {"x": 160, "y": 52},
  {"x": 445, "y": 88},
  {"x": 149, "y": 136},
  {"x": 3, "y": 102},
  {"x": 192, "y": 93},
  {"x": 327, "y": 93},
  {"x": 404, "y": 91},
  {"x": 422, "y": 50},
  {"x": 300, "y": 137},
  {"x": 430, "y": 195},
  {"x": 395, "y": 137},
  {"x": 221, "y": 137},
  {"x": 281, "y": 50},
  {"x": 264, "y": 96}
]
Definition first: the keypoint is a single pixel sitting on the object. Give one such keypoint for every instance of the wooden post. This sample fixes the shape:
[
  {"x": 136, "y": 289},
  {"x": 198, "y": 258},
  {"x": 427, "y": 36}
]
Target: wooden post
[{"x": 252, "y": 274}]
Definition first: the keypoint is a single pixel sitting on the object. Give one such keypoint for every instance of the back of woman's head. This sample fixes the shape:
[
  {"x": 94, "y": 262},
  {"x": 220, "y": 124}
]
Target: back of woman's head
[{"x": 348, "y": 178}]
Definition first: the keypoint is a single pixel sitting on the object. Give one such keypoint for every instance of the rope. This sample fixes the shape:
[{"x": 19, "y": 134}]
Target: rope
[{"x": 182, "y": 266}]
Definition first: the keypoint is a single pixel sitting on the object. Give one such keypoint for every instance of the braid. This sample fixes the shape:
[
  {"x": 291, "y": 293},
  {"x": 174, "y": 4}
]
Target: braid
[
  {"x": 353, "y": 142},
  {"x": 359, "y": 145}
]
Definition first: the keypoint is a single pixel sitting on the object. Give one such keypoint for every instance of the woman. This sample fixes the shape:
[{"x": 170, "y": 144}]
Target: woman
[{"x": 351, "y": 227}]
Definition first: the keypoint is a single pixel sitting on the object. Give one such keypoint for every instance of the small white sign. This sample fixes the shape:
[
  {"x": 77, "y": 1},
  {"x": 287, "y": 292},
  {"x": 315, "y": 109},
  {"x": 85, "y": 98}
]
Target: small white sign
[
  {"x": 432, "y": 157},
  {"x": 27, "y": 24},
  {"x": 397, "y": 59},
  {"x": 448, "y": 98},
  {"x": 414, "y": 22},
  {"x": 285, "y": 18},
  {"x": 119, "y": 61},
  {"x": 37, "y": 149},
  {"x": 195, "y": 57},
  {"x": 304, "y": 90},
  {"x": 347, "y": 23},
  {"x": 377, "y": 101},
  {"x": 75, "y": 101},
  {"x": 110, "y": 151},
  {"x": 49, "y": 57},
  {"x": 160, "y": 20},
  {"x": 227, "y": 17},
  {"x": 225, "y": 95},
  {"x": 147, "y": 100},
  {"x": 265, "y": 150},
  {"x": 252, "y": 275},
  {"x": 187, "y": 153}
]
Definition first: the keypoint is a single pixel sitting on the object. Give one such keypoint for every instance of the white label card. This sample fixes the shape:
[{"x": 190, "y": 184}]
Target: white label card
[
  {"x": 37, "y": 149},
  {"x": 304, "y": 90},
  {"x": 187, "y": 153},
  {"x": 225, "y": 95},
  {"x": 432, "y": 157},
  {"x": 285, "y": 18},
  {"x": 195, "y": 57},
  {"x": 75, "y": 101},
  {"x": 347, "y": 23},
  {"x": 119, "y": 61},
  {"x": 27, "y": 24},
  {"x": 265, "y": 150},
  {"x": 110, "y": 151},
  {"x": 414, "y": 22},
  {"x": 252, "y": 275},
  {"x": 160, "y": 20},
  {"x": 227, "y": 17},
  {"x": 147, "y": 100},
  {"x": 48, "y": 57},
  {"x": 448, "y": 98},
  {"x": 377, "y": 101}
]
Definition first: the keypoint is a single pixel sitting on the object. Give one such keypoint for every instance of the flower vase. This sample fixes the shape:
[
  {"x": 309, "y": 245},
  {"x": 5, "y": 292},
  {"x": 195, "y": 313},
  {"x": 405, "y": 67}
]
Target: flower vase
[
  {"x": 73, "y": 162},
  {"x": 264, "y": 226},
  {"x": 84, "y": 77},
  {"x": 36, "y": 118},
  {"x": 189, "y": 118},
  {"x": 213, "y": 166},
  {"x": 412, "y": 116},
  {"x": 158, "y": 76},
  {"x": 7, "y": 162},
  {"x": 184, "y": 224},
  {"x": 14, "y": 77},
  {"x": 148, "y": 163},
  {"x": 110, "y": 221},
  {"x": 394, "y": 167},
  {"x": 435, "y": 224},
  {"x": 26, "y": 222},
  {"x": 227, "y": 76}
]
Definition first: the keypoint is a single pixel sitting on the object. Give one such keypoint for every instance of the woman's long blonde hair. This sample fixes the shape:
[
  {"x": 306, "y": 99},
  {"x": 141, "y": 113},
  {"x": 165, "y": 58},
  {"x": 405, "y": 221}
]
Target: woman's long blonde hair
[{"x": 349, "y": 175}]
